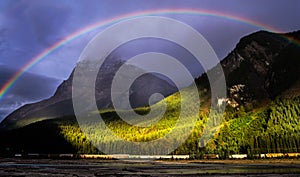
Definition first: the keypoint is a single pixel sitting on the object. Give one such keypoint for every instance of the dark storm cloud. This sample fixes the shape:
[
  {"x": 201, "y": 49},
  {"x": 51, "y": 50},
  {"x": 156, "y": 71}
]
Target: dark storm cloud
[
  {"x": 3, "y": 42},
  {"x": 278, "y": 13},
  {"x": 30, "y": 27},
  {"x": 30, "y": 86},
  {"x": 48, "y": 22}
]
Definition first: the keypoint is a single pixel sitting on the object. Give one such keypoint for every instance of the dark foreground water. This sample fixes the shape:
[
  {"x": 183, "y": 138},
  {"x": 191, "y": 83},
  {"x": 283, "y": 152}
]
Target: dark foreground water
[{"x": 92, "y": 168}]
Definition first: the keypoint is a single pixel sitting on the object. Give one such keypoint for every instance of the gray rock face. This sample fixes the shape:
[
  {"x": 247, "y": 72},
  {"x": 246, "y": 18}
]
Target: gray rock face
[{"x": 262, "y": 66}]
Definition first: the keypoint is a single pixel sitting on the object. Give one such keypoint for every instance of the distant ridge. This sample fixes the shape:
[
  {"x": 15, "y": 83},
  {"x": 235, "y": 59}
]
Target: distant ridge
[{"x": 60, "y": 104}]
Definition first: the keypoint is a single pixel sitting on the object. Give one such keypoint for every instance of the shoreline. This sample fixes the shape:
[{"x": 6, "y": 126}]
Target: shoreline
[
  {"x": 236, "y": 161},
  {"x": 295, "y": 161}
]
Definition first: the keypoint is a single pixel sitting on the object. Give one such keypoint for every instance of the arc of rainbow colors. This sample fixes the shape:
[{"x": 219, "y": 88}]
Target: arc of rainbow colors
[{"x": 115, "y": 19}]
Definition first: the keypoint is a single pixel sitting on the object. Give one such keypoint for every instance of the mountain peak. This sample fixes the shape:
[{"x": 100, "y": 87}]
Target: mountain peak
[
  {"x": 262, "y": 66},
  {"x": 60, "y": 104}
]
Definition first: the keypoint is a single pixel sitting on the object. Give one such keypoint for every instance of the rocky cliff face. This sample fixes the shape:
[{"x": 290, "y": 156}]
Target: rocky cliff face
[
  {"x": 262, "y": 66},
  {"x": 60, "y": 104}
]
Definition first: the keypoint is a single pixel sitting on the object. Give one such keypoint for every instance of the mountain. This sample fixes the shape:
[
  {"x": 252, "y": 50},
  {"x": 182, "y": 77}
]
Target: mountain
[
  {"x": 262, "y": 66},
  {"x": 262, "y": 113},
  {"x": 60, "y": 104}
]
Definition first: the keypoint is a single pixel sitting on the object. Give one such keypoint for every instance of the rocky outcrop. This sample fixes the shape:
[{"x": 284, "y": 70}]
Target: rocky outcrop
[{"x": 262, "y": 66}]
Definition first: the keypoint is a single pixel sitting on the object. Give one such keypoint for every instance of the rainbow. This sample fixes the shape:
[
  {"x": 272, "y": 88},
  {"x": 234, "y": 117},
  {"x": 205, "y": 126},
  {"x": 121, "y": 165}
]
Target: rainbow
[{"x": 115, "y": 19}]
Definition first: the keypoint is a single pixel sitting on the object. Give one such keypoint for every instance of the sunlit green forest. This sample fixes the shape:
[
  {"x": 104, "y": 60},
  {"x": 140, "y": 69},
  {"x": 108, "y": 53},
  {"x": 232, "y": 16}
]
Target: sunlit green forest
[
  {"x": 272, "y": 129},
  {"x": 269, "y": 129}
]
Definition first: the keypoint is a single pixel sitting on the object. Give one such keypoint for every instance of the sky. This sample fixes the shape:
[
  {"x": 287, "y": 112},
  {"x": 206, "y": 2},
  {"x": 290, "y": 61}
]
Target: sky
[{"x": 28, "y": 27}]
